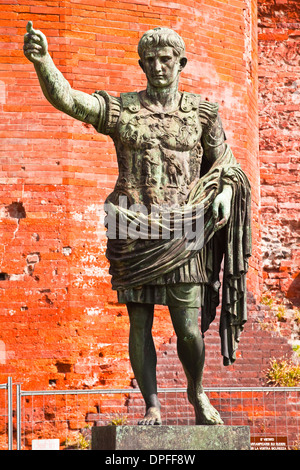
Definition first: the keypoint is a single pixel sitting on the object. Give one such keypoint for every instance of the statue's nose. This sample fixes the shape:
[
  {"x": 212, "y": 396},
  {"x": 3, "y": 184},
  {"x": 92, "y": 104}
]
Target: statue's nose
[{"x": 157, "y": 65}]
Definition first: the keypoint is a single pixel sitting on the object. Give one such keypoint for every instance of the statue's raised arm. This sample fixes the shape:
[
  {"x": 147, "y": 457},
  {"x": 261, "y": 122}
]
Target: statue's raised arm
[{"x": 55, "y": 87}]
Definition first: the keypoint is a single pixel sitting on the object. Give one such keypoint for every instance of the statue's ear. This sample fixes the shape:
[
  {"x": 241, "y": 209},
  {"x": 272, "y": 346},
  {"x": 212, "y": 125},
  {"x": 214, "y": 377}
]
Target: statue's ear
[
  {"x": 183, "y": 62},
  {"x": 141, "y": 65}
]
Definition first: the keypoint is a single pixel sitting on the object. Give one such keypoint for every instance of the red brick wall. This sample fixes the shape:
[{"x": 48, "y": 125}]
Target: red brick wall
[
  {"x": 60, "y": 323},
  {"x": 279, "y": 111}
]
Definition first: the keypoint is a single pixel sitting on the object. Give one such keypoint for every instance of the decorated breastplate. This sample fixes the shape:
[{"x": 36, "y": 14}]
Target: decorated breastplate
[{"x": 159, "y": 155}]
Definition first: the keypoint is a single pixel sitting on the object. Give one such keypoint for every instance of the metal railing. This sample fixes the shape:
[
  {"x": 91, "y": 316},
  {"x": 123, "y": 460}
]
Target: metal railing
[
  {"x": 8, "y": 411},
  {"x": 68, "y": 414}
]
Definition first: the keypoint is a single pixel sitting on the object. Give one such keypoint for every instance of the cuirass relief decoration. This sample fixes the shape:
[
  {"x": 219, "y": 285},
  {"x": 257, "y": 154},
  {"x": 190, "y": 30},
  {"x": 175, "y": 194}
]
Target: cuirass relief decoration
[{"x": 159, "y": 155}]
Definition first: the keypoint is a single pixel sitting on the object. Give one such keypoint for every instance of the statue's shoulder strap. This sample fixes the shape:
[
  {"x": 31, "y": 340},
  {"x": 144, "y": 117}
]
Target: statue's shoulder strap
[
  {"x": 213, "y": 133},
  {"x": 189, "y": 101},
  {"x": 130, "y": 101},
  {"x": 208, "y": 113}
]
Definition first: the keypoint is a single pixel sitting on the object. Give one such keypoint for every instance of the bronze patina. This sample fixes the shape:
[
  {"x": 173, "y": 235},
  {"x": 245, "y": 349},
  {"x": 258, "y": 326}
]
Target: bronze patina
[{"x": 173, "y": 156}]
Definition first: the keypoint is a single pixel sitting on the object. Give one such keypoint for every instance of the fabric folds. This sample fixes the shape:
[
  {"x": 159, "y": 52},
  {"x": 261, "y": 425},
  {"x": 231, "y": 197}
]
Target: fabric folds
[{"x": 138, "y": 262}]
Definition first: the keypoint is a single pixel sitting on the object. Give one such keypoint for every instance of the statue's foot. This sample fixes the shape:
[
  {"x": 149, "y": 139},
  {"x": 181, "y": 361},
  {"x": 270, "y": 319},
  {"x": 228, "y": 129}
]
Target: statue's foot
[
  {"x": 151, "y": 417},
  {"x": 205, "y": 413}
]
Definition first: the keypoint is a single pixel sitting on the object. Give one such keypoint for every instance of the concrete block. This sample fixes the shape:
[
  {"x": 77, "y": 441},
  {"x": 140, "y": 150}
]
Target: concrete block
[{"x": 170, "y": 438}]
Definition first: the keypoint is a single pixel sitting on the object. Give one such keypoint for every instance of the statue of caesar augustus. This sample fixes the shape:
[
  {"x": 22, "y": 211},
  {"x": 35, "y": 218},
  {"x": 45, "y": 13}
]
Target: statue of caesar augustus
[{"x": 173, "y": 156}]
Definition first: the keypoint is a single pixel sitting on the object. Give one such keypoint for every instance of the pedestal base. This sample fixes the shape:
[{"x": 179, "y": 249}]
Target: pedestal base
[{"x": 170, "y": 438}]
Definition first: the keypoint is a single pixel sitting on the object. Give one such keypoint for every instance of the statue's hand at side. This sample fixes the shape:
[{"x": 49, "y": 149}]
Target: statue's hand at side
[
  {"x": 35, "y": 44},
  {"x": 221, "y": 207}
]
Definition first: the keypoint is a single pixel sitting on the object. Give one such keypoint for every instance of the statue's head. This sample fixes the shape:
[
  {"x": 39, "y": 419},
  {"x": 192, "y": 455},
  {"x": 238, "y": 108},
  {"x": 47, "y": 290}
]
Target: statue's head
[{"x": 162, "y": 56}]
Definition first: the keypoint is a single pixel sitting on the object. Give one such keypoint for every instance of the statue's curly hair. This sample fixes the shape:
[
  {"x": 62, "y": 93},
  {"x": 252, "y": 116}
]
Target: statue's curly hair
[{"x": 163, "y": 37}]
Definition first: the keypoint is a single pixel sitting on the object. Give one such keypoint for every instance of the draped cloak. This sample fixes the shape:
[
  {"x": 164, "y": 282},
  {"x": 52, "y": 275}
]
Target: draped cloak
[{"x": 134, "y": 262}]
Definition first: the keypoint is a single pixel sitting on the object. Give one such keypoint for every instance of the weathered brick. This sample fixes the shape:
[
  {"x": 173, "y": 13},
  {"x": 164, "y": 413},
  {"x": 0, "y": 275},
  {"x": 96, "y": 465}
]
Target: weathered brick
[{"x": 278, "y": 105}]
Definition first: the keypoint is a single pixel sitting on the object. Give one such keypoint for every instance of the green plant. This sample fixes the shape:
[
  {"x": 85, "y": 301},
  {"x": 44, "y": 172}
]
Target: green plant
[
  {"x": 283, "y": 373},
  {"x": 118, "y": 420},
  {"x": 297, "y": 316},
  {"x": 281, "y": 313},
  {"x": 266, "y": 299},
  {"x": 296, "y": 349},
  {"x": 80, "y": 441},
  {"x": 269, "y": 325}
]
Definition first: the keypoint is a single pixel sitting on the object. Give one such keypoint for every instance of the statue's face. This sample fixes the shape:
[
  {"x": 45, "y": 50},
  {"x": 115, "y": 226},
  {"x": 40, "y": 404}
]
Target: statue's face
[{"x": 161, "y": 66}]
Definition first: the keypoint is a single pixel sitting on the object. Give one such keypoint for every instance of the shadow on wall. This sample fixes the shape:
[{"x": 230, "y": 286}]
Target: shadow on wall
[{"x": 293, "y": 294}]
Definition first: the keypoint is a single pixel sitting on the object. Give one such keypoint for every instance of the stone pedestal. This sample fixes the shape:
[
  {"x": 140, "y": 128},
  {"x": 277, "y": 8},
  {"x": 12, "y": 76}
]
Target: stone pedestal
[{"x": 171, "y": 438}]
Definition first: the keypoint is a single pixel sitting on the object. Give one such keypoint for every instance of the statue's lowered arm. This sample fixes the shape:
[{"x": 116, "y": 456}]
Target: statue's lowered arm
[
  {"x": 55, "y": 87},
  {"x": 214, "y": 147}
]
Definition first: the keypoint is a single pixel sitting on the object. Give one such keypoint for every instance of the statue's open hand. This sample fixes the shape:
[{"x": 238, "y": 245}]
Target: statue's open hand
[
  {"x": 221, "y": 207},
  {"x": 35, "y": 44}
]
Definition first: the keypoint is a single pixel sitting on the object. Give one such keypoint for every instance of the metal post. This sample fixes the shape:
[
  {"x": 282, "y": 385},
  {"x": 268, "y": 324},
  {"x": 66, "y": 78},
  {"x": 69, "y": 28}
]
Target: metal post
[
  {"x": 10, "y": 413},
  {"x": 19, "y": 419}
]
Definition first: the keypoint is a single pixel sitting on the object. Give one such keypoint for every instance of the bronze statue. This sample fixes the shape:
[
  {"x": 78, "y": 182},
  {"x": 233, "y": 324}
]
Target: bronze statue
[{"x": 172, "y": 155}]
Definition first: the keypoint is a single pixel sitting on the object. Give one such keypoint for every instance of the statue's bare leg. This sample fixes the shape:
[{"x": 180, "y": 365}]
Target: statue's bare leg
[
  {"x": 143, "y": 358},
  {"x": 191, "y": 352}
]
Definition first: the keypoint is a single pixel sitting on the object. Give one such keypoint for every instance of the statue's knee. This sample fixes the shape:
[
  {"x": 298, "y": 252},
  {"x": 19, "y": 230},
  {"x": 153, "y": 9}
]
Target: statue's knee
[{"x": 191, "y": 336}]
